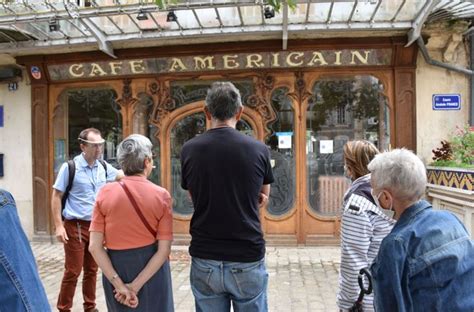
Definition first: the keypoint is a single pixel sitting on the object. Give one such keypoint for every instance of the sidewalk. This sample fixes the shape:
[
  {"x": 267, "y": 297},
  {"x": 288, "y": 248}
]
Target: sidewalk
[{"x": 301, "y": 278}]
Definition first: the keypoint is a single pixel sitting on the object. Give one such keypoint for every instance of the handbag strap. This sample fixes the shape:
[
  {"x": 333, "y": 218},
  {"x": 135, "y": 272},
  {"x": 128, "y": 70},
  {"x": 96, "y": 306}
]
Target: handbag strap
[{"x": 139, "y": 213}]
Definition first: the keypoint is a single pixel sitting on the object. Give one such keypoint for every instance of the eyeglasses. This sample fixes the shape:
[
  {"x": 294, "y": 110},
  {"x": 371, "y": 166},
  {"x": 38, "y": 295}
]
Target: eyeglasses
[{"x": 97, "y": 146}]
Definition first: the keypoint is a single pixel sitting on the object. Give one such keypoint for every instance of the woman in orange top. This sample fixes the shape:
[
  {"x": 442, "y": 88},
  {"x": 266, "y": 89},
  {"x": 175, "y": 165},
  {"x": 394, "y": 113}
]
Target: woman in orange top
[{"x": 133, "y": 219}]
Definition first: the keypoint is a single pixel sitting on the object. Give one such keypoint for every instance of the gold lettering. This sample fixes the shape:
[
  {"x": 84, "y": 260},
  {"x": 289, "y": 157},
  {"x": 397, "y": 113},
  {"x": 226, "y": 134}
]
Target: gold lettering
[
  {"x": 363, "y": 60},
  {"x": 137, "y": 67},
  {"x": 317, "y": 58},
  {"x": 230, "y": 62},
  {"x": 295, "y": 56},
  {"x": 96, "y": 70},
  {"x": 275, "y": 62},
  {"x": 177, "y": 64},
  {"x": 114, "y": 66},
  {"x": 76, "y": 70},
  {"x": 255, "y": 59},
  {"x": 338, "y": 58},
  {"x": 204, "y": 62}
]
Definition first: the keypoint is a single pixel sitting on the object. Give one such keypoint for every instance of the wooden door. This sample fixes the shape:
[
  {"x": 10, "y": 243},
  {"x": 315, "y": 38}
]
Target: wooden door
[
  {"x": 294, "y": 114},
  {"x": 184, "y": 124}
]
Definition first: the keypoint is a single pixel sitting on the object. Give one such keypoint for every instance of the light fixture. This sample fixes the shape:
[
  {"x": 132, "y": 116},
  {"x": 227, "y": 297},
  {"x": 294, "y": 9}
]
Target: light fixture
[
  {"x": 142, "y": 16},
  {"x": 171, "y": 17},
  {"x": 53, "y": 25},
  {"x": 268, "y": 12}
]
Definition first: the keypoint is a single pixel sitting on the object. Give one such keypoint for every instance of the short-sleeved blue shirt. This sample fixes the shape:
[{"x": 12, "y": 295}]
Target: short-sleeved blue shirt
[{"x": 87, "y": 183}]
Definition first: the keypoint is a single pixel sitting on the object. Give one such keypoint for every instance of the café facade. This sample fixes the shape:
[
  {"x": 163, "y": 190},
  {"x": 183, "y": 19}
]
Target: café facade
[{"x": 304, "y": 100}]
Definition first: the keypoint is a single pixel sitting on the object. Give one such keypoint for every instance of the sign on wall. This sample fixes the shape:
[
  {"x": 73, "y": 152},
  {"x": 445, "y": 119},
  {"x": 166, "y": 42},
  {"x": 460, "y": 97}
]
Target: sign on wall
[
  {"x": 446, "y": 101},
  {"x": 218, "y": 62}
]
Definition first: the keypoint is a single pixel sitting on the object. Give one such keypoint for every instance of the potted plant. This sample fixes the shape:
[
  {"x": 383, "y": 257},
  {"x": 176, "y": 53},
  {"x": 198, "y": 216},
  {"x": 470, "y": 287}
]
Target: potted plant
[{"x": 451, "y": 176}]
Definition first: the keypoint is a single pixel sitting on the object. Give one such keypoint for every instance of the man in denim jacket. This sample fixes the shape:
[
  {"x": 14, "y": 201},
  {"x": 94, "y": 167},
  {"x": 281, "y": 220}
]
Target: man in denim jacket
[
  {"x": 427, "y": 262},
  {"x": 20, "y": 284}
]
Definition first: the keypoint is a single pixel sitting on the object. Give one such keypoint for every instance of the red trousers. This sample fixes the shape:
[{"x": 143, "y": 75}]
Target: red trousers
[{"x": 78, "y": 258}]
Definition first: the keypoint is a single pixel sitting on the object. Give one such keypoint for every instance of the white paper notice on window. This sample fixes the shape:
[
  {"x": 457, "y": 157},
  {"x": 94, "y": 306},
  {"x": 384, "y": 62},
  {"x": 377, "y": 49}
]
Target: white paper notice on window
[
  {"x": 326, "y": 146},
  {"x": 284, "y": 139}
]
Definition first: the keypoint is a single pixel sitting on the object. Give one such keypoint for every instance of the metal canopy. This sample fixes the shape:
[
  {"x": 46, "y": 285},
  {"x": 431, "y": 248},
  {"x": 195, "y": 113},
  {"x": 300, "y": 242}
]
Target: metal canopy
[{"x": 29, "y": 26}]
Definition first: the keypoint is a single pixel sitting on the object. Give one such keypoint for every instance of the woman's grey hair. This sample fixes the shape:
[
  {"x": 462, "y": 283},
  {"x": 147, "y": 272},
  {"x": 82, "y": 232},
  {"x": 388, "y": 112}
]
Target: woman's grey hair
[
  {"x": 401, "y": 172},
  {"x": 223, "y": 100},
  {"x": 131, "y": 153}
]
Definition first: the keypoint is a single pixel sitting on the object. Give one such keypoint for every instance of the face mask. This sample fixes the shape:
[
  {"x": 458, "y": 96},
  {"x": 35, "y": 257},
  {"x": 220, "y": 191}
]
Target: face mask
[{"x": 388, "y": 212}]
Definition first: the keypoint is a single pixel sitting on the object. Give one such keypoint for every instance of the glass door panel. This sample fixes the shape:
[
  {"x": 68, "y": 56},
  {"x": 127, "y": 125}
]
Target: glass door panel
[
  {"x": 342, "y": 109},
  {"x": 85, "y": 108},
  {"x": 281, "y": 142},
  {"x": 184, "y": 130},
  {"x": 244, "y": 127}
]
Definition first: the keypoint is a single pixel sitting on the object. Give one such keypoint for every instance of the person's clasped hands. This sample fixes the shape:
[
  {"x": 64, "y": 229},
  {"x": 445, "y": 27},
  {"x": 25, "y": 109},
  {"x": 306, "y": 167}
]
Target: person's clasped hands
[{"x": 126, "y": 296}]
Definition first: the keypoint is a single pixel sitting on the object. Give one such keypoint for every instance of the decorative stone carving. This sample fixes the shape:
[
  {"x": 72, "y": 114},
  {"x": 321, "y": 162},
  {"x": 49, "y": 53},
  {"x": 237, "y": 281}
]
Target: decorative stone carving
[
  {"x": 301, "y": 93},
  {"x": 165, "y": 103},
  {"x": 261, "y": 100}
]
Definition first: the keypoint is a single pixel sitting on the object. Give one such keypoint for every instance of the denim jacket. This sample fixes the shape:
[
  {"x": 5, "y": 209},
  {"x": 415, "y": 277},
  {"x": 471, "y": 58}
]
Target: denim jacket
[
  {"x": 20, "y": 285},
  {"x": 425, "y": 264}
]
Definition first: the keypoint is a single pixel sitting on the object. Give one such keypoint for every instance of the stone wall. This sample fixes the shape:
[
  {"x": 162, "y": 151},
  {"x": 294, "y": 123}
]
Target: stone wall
[
  {"x": 15, "y": 144},
  {"x": 445, "y": 44}
]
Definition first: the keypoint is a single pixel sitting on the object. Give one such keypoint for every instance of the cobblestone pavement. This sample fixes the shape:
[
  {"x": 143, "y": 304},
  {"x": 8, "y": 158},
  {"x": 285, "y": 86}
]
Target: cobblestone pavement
[{"x": 301, "y": 278}]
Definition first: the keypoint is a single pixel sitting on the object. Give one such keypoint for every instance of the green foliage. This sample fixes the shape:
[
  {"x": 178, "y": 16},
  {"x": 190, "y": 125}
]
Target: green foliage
[
  {"x": 458, "y": 151},
  {"x": 276, "y": 4},
  {"x": 463, "y": 145},
  {"x": 451, "y": 163}
]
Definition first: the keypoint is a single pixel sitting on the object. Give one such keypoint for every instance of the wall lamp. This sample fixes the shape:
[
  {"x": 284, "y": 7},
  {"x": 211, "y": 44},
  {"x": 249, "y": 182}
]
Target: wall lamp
[
  {"x": 268, "y": 12},
  {"x": 171, "y": 17},
  {"x": 142, "y": 16},
  {"x": 53, "y": 25}
]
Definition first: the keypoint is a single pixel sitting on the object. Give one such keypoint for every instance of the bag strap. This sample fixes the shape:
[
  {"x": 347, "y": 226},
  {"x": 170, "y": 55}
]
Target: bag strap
[
  {"x": 139, "y": 213},
  {"x": 71, "y": 166},
  {"x": 102, "y": 162}
]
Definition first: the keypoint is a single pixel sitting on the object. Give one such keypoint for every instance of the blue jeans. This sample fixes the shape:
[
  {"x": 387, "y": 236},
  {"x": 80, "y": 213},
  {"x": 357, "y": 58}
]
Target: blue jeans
[{"x": 216, "y": 284}]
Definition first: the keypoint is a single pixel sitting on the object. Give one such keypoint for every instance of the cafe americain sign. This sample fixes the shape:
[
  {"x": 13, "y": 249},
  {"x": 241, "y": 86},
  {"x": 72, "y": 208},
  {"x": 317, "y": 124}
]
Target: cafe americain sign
[{"x": 220, "y": 62}]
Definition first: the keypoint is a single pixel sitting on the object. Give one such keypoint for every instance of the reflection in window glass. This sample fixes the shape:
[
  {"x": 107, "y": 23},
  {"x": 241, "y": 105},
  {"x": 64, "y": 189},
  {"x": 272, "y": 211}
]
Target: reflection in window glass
[
  {"x": 142, "y": 126},
  {"x": 95, "y": 108},
  {"x": 282, "y": 141},
  {"x": 341, "y": 109},
  {"x": 244, "y": 127},
  {"x": 184, "y": 130}
]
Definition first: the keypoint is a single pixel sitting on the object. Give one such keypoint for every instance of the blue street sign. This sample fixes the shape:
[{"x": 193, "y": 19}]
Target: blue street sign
[{"x": 446, "y": 101}]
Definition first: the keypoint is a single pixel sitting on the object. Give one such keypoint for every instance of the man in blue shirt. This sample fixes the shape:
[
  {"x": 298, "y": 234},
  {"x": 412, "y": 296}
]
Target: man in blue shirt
[
  {"x": 90, "y": 176},
  {"x": 426, "y": 263}
]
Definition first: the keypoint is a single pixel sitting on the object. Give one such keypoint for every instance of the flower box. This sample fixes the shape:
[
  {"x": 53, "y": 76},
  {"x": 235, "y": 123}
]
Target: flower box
[{"x": 452, "y": 189}]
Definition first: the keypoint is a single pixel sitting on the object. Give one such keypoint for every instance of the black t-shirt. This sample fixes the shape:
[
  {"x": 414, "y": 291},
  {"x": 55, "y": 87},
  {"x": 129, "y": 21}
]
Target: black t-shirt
[{"x": 224, "y": 171}]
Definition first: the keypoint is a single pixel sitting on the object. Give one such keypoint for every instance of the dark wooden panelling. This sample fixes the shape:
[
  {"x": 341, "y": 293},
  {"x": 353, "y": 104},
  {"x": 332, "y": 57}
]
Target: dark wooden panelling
[
  {"x": 39, "y": 110},
  {"x": 405, "y": 108}
]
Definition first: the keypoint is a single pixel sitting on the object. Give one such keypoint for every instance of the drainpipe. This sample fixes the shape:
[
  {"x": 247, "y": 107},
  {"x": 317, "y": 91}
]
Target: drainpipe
[{"x": 469, "y": 72}]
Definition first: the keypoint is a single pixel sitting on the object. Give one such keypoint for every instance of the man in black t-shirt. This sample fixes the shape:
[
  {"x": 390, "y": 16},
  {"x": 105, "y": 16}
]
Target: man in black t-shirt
[{"x": 228, "y": 176}]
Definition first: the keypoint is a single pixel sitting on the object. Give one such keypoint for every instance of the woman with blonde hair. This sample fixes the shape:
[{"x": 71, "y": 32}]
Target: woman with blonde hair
[
  {"x": 363, "y": 224},
  {"x": 134, "y": 219}
]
